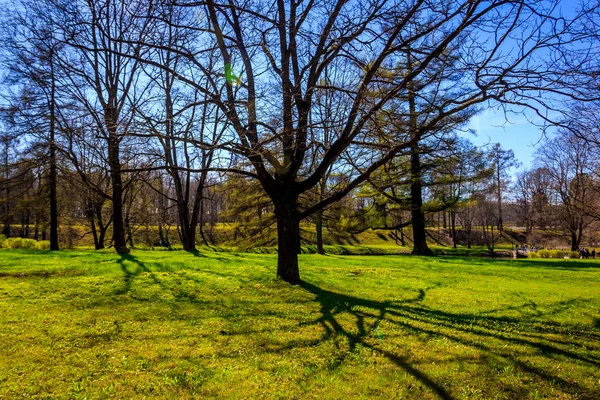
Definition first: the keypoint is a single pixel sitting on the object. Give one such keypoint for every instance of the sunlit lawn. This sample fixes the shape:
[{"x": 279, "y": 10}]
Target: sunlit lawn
[{"x": 81, "y": 324}]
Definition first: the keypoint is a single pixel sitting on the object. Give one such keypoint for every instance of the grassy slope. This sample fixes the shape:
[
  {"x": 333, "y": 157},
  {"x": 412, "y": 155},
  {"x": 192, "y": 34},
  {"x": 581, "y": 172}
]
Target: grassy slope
[{"x": 175, "y": 325}]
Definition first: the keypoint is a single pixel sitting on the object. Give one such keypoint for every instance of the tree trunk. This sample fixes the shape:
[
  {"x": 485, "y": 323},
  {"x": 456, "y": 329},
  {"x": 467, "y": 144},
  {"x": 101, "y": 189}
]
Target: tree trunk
[
  {"x": 90, "y": 213},
  {"x": 416, "y": 185},
  {"x": 101, "y": 239},
  {"x": 453, "y": 226},
  {"x": 579, "y": 231},
  {"x": 22, "y": 224},
  {"x": 52, "y": 178},
  {"x": 402, "y": 242},
  {"x": 7, "y": 219},
  {"x": 27, "y": 222},
  {"x": 36, "y": 229},
  {"x": 288, "y": 238},
  {"x": 161, "y": 237},
  {"x": 499, "y": 194},
  {"x": 575, "y": 240},
  {"x": 418, "y": 216},
  {"x": 129, "y": 231},
  {"x": 188, "y": 234},
  {"x": 491, "y": 241},
  {"x": 102, "y": 228},
  {"x": 117, "y": 194},
  {"x": 574, "y": 244},
  {"x": 319, "y": 226},
  {"x": 201, "y": 223}
]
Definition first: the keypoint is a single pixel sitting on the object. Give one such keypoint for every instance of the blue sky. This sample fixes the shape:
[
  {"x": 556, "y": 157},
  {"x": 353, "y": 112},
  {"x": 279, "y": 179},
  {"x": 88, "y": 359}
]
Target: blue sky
[
  {"x": 516, "y": 131},
  {"x": 513, "y": 131}
]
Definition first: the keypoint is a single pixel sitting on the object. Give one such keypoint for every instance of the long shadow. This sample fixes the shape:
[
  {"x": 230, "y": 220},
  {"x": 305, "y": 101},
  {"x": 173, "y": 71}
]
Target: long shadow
[
  {"x": 140, "y": 267},
  {"x": 212, "y": 256},
  {"x": 459, "y": 328},
  {"x": 333, "y": 303},
  {"x": 511, "y": 339}
]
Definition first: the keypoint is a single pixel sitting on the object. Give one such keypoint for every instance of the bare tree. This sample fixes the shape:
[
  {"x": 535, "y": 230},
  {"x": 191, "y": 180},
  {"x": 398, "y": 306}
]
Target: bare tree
[
  {"x": 29, "y": 55},
  {"x": 502, "y": 160},
  {"x": 102, "y": 80},
  {"x": 571, "y": 167},
  {"x": 274, "y": 58},
  {"x": 181, "y": 121}
]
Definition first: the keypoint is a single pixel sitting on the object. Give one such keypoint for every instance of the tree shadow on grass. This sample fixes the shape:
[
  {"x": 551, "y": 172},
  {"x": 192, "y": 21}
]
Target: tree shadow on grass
[
  {"x": 132, "y": 268},
  {"x": 213, "y": 256},
  {"x": 518, "y": 342},
  {"x": 505, "y": 338},
  {"x": 334, "y": 303},
  {"x": 131, "y": 273}
]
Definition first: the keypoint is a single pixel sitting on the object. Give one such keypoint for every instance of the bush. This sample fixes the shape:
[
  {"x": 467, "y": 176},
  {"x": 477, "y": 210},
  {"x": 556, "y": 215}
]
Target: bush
[
  {"x": 20, "y": 243},
  {"x": 557, "y": 254},
  {"x": 550, "y": 254},
  {"x": 545, "y": 253},
  {"x": 573, "y": 254},
  {"x": 2, "y": 239},
  {"x": 42, "y": 245}
]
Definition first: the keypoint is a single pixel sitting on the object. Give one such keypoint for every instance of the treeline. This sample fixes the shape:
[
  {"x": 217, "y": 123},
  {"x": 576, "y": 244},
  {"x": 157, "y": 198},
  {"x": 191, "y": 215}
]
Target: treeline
[
  {"x": 554, "y": 203},
  {"x": 119, "y": 115}
]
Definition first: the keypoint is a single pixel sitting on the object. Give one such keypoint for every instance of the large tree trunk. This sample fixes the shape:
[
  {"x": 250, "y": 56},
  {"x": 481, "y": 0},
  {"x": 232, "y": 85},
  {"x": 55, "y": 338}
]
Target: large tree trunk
[
  {"x": 576, "y": 234},
  {"x": 574, "y": 241},
  {"x": 288, "y": 238},
  {"x": 416, "y": 185},
  {"x": 52, "y": 178},
  {"x": 196, "y": 216},
  {"x": 101, "y": 239},
  {"x": 7, "y": 211},
  {"x": 188, "y": 236},
  {"x": 117, "y": 194},
  {"x": 418, "y": 216},
  {"x": 187, "y": 228}
]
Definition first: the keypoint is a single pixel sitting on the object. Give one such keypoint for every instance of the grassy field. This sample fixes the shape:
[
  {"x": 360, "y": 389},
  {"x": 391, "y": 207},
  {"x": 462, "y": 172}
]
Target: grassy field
[{"x": 83, "y": 324}]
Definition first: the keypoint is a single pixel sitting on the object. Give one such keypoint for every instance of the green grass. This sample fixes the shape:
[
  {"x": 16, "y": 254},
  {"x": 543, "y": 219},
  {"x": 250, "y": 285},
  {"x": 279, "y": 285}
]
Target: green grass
[{"x": 83, "y": 324}]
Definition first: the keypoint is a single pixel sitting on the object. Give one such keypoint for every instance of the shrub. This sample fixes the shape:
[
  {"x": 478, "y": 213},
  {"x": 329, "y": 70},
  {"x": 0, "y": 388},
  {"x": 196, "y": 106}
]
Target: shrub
[
  {"x": 2, "y": 239},
  {"x": 19, "y": 243},
  {"x": 549, "y": 254},
  {"x": 545, "y": 253},
  {"x": 573, "y": 254},
  {"x": 557, "y": 254},
  {"x": 42, "y": 245}
]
